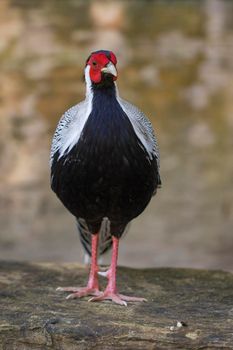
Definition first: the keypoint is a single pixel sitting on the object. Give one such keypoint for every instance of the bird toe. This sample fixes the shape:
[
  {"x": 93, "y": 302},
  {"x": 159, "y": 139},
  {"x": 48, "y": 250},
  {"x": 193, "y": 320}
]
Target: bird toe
[{"x": 79, "y": 292}]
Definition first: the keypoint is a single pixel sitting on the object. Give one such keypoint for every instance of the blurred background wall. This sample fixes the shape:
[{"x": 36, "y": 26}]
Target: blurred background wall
[{"x": 175, "y": 63}]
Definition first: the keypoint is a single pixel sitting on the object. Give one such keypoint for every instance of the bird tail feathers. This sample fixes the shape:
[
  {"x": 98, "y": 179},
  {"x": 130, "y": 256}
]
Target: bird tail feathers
[{"x": 105, "y": 237}]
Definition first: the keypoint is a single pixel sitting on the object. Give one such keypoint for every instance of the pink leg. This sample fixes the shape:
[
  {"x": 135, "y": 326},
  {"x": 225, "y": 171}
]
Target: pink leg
[
  {"x": 92, "y": 287},
  {"x": 111, "y": 292}
]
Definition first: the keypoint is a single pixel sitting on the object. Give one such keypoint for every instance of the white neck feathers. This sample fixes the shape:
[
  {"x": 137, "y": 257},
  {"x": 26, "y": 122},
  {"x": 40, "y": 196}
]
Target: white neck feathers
[{"x": 70, "y": 135}]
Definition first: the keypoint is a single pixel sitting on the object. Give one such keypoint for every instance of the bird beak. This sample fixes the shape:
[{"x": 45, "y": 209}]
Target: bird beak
[{"x": 110, "y": 69}]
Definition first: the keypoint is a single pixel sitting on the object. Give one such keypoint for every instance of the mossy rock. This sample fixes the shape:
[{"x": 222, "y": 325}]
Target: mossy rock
[{"x": 186, "y": 309}]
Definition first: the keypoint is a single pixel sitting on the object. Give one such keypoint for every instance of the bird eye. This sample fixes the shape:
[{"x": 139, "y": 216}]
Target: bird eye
[{"x": 94, "y": 63}]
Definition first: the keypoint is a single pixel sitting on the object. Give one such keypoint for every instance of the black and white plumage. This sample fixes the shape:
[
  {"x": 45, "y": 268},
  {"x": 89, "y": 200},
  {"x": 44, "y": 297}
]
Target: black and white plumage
[
  {"x": 104, "y": 162},
  {"x": 104, "y": 169}
]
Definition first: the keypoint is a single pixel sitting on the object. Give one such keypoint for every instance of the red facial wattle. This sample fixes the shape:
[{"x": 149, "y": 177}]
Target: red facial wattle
[
  {"x": 113, "y": 58},
  {"x": 95, "y": 75},
  {"x": 97, "y": 62}
]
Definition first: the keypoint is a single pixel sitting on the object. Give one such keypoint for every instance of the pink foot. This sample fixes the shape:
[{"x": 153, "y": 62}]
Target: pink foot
[
  {"x": 92, "y": 287},
  {"x": 77, "y": 292},
  {"x": 116, "y": 298}
]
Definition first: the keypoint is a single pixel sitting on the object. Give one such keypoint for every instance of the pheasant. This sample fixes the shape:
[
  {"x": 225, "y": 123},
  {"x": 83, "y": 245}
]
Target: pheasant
[{"x": 104, "y": 169}]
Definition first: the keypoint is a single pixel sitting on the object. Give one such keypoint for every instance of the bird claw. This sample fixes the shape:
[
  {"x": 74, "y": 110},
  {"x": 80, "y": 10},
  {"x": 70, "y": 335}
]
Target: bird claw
[
  {"x": 116, "y": 298},
  {"x": 79, "y": 292},
  {"x": 109, "y": 296}
]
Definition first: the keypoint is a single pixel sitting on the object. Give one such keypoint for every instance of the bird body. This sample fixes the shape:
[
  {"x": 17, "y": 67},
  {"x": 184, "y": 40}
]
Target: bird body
[{"x": 104, "y": 157}]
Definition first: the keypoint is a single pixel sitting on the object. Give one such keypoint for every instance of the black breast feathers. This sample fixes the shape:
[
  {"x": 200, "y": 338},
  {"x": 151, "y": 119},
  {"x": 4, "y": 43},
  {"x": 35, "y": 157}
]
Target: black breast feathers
[{"x": 108, "y": 173}]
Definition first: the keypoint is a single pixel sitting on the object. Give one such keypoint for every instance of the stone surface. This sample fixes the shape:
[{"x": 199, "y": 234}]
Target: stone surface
[
  {"x": 186, "y": 309},
  {"x": 175, "y": 63}
]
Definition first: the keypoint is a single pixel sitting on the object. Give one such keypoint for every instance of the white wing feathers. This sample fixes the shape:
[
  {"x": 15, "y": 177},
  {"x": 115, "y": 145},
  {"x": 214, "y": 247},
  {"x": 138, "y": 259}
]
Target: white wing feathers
[
  {"x": 62, "y": 128},
  {"x": 73, "y": 120},
  {"x": 142, "y": 127},
  {"x": 69, "y": 128}
]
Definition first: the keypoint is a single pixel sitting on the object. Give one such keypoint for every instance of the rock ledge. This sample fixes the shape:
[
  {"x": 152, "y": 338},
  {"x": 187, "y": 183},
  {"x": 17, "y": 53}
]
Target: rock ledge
[{"x": 186, "y": 309}]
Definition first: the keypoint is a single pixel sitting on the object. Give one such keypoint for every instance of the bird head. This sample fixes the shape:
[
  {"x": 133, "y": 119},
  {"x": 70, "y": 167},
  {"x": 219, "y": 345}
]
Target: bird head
[{"x": 102, "y": 65}]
